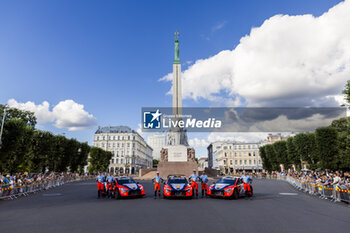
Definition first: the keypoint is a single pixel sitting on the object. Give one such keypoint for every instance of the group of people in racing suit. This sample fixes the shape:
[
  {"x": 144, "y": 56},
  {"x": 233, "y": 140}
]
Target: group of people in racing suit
[
  {"x": 105, "y": 185},
  {"x": 194, "y": 179}
]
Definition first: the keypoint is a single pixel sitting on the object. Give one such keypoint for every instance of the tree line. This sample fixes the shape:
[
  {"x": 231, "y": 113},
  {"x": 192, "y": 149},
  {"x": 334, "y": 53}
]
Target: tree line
[
  {"x": 326, "y": 148},
  {"x": 27, "y": 149}
]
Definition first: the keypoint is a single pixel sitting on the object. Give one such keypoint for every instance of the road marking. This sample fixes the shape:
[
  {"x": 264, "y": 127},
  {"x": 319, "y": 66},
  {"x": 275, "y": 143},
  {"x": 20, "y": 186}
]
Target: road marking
[
  {"x": 288, "y": 194},
  {"x": 52, "y": 194}
]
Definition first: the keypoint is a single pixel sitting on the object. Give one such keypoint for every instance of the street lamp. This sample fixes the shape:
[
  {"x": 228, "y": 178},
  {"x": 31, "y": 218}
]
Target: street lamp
[{"x": 2, "y": 124}]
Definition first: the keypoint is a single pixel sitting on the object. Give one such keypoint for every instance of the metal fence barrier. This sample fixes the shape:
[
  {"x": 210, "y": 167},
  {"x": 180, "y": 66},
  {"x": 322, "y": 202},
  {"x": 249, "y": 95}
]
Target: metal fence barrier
[
  {"x": 14, "y": 191},
  {"x": 318, "y": 189}
]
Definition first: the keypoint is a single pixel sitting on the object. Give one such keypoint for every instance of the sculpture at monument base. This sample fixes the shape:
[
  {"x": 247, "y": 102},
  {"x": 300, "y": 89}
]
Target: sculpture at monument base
[{"x": 186, "y": 168}]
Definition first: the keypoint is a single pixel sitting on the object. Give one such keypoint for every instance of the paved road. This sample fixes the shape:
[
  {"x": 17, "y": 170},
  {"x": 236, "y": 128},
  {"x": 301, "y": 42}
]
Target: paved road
[{"x": 74, "y": 208}]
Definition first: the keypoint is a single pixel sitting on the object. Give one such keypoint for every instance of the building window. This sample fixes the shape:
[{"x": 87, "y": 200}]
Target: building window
[
  {"x": 121, "y": 160},
  {"x": 98, "y": 138},
  {"x": 118, "y": 144},
  {"x": 117, "y": 161},
  {"x": 102, "y": 144},
  {"x": 231, "y": 162},
  {"x": 133, "y": 153},
  {"x": 117, "y": 153},
  {"x": 254, "y": 153},
  {"x": 225, "y": 154},
  {"x": 128, "y": 137},
  {"x": 122, "y": 144},
  {"x": 250, "y": 154},
  {"x": 254, "y": 161},
  {"x": 128, "y": 144},
  {"x": 112, "y": 160},
  {"x": 133, "y": 144},
  {"x": 103, "y": 137},
  {"x": 112, "y": 152},
  {"x": 133, "y": 138},
  {"x": 118, "y": 137},
  {"x": 235, "y": 161},
  {"x": 122, "y": 153},
  {"x": 235, "y": 154},
  {"x": 245, "y": 162},
  {"x": 240, "y": 162},
  {"x": 113, "y": 144},
  {"x": 250, "y": 162}
]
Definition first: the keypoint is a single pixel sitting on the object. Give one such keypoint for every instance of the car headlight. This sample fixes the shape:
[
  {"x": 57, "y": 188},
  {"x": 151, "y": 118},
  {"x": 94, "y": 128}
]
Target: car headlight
[
  {"x": 123, "y": 190},
  {"x": 228, "y": 190},
  {"x": 141, "y": 187}
]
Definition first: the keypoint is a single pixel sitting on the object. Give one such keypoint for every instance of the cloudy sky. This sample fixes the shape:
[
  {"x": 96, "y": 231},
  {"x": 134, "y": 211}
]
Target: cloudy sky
[{"x": 80, "y": 64}]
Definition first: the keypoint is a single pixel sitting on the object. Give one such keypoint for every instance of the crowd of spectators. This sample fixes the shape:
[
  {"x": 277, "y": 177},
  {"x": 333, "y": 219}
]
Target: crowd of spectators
[
  {"x": 18, "y": 181},
  {"x": 337, "y": 181}
]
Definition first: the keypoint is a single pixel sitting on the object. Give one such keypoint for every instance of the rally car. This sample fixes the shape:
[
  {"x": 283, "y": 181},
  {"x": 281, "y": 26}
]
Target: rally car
[
  {"x": 177, "y": 186},
  {"x": 128, "y": 187},
  {"x": 229, "y": 187}
]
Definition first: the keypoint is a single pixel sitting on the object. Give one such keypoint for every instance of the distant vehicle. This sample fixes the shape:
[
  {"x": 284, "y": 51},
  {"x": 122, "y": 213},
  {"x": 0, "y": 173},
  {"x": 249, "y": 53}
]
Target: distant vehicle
[
  {"x": 229, "y": 187},
  {"x": 127, "y": 187},
  {"x": 177, "y": 186}
]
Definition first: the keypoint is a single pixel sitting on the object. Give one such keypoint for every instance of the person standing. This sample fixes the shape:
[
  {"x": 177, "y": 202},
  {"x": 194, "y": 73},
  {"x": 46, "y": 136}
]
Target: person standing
[
  {"x": 204, "y": 184},
  {"x": 110, "y": 181},
  {"x": 246, "y": 183},
  {"x": 157, "y": 180},
  {"x": 100, "y": 179},
  {"x": 194, "y": 178}
]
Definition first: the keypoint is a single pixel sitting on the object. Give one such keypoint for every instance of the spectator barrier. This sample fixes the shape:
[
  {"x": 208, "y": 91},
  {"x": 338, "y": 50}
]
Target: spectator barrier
[
  {"x": 13, "y": 191},
  {"x": 318, "y": 189}
]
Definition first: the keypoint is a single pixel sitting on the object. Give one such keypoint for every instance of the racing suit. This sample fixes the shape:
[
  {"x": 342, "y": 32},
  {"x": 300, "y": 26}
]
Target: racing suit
[
  {"x": 100, "y": 179},
  {"x": 246, "y": 183},
  {"x": 194, "y": 178},
  {"x": 110, "y": 180},
  {"x": 204, "y": 184},
  {"x": 157, "y": 180}
]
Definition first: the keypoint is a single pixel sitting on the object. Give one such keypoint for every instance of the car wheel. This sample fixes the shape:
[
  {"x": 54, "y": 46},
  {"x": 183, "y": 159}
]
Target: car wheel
[
  {"x": 235, "y": 194},
  {"x": 117, "y": 194}
]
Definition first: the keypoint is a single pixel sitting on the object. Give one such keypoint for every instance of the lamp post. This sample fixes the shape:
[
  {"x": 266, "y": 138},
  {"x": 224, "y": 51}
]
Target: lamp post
[{"x": 2, "y": 124}]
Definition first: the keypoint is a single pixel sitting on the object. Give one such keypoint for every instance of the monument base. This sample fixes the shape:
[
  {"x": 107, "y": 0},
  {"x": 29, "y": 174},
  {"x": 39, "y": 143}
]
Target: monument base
[
  {"x": 177, "y": 168},
  {"x": 177, "y": 160}
]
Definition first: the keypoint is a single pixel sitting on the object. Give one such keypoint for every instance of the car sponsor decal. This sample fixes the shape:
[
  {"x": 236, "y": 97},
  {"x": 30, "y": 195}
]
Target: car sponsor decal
[
  {"x": 220, "y": 186},
  {"x": 131, "y": 186},
  {"x": 177, "y": 186}
]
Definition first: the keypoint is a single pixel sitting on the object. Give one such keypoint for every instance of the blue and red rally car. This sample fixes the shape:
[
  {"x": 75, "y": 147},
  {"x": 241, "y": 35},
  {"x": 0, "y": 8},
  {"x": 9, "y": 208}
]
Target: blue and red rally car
[
  {"x": 127, "y": 187},
  {"x": 177, "y": 186},
  {"x": 230, "y": 187}
]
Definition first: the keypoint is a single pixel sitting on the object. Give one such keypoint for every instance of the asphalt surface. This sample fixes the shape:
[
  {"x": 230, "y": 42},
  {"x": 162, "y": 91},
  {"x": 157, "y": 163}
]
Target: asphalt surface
[{"x": 75, "y": 208}]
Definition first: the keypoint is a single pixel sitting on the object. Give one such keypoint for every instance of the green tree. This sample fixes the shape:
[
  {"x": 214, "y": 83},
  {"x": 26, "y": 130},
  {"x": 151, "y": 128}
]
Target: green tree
[
  {"x": 305, "y": 146},
  {"x": 346, "y": 91},
  {"x": 266, "y": 163},
  {"x": 99, "y": 159},
  {"x": 155, "y": 162},
  {"x": 272, "y": 158},
  {"x": 280, "y": 148},
  {"x": 293, "y": 156},
  {"x": 42, "y": 148},
  {"x": 16, "y": 145},
  {"x": 327, "y": 144}
]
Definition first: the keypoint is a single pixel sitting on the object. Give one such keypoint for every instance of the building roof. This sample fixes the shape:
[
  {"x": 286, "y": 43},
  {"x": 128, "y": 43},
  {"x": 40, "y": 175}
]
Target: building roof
[{"x": 115, "y": 129}]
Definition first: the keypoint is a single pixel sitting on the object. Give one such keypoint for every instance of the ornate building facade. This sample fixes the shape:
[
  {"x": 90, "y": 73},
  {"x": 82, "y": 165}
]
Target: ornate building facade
[{"x": 130, "y": 151}]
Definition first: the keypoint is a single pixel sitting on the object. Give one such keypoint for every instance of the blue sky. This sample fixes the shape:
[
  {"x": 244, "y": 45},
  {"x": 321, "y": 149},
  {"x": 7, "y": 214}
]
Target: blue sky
[{"x": 109, "y": 55}]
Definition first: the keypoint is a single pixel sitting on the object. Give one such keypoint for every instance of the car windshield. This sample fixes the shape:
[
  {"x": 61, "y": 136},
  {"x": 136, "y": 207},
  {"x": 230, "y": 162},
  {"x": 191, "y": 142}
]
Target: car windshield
[
  {"x": 126, "y": 181},
  {"x": 226, "y": 181},
  {"x": 177, "y": 181}
]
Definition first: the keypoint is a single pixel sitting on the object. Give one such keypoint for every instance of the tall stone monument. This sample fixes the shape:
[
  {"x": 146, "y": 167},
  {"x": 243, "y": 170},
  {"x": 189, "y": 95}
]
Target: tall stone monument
[{"x": 177, "y": 157}]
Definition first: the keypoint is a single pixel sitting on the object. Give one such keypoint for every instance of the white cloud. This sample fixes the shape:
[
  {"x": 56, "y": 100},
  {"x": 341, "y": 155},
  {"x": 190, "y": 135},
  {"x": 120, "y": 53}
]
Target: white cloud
[
  {"x": 72, "y": 115},
  {"x": 288, "y": 61},
  {"x": 42, "y": 111},
  {"x": 218, "y": 26},
  {"x": 196, "y": 142},
  {"x": 66, "y": 114}
]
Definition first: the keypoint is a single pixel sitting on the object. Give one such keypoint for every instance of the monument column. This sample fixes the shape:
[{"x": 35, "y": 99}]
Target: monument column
[
  {"x": 177, "y": 157},
  {"x": 177, "y": 93}
]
